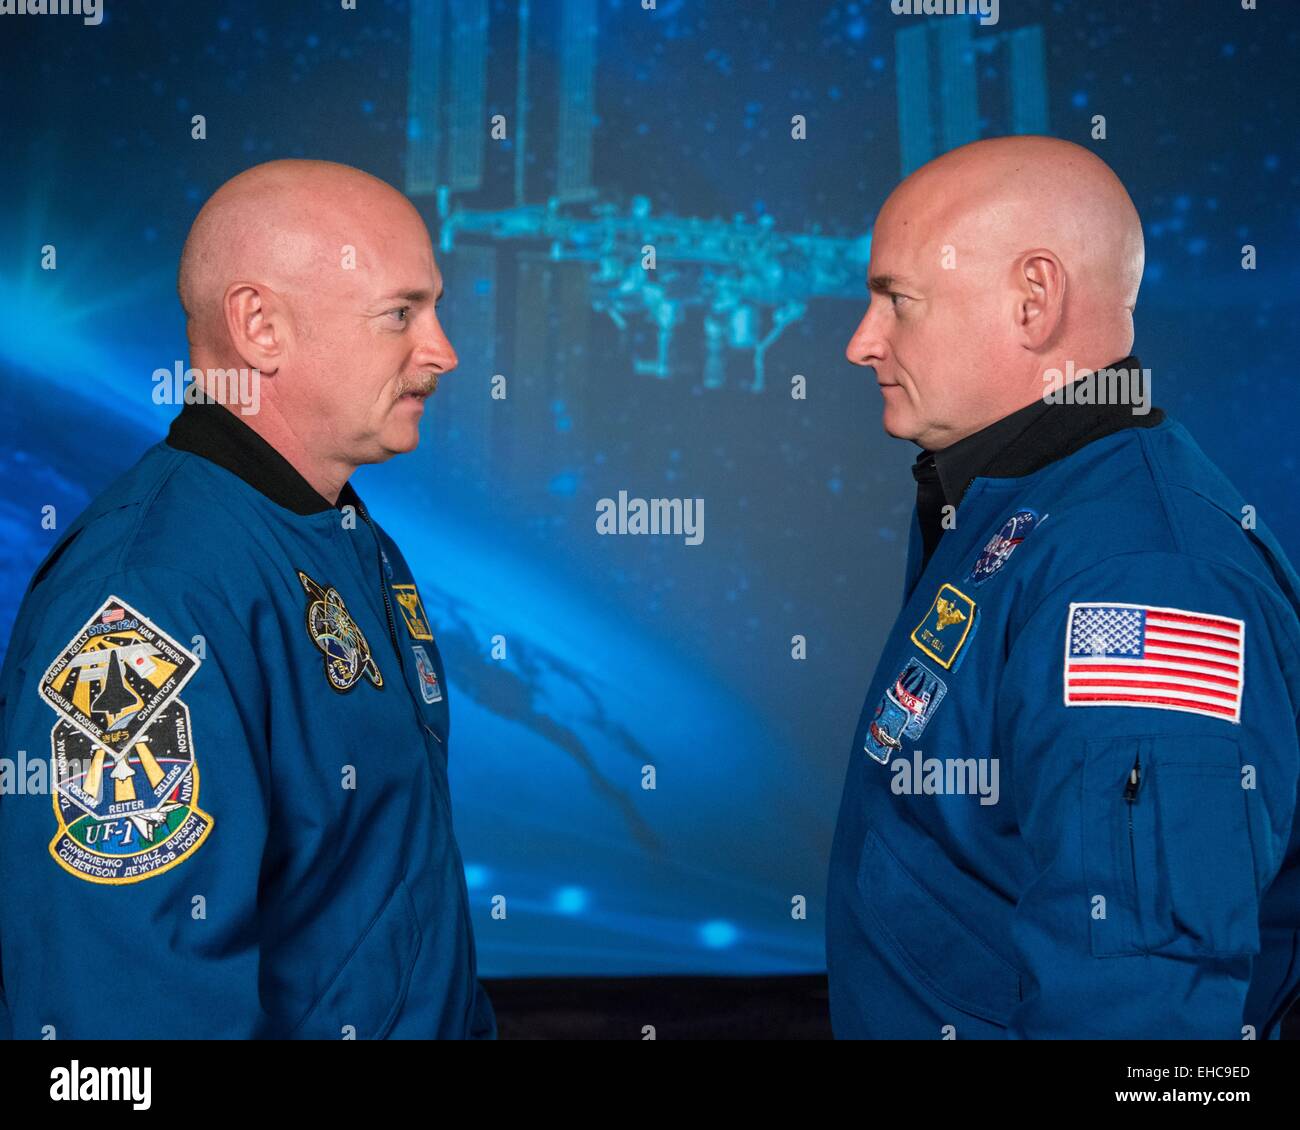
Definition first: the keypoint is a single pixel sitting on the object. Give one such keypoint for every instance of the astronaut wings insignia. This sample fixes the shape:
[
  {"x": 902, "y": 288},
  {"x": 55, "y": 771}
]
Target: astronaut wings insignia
[{"x": 949, "y": 613}]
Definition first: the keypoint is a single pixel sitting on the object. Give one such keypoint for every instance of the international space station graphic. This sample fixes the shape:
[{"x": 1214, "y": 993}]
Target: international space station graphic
[{"x": 718, "y": 287}]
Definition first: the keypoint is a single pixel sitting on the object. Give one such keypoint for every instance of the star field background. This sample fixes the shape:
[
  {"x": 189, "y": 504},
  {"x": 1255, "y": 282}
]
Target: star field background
[{"x": 632, "y": 651}]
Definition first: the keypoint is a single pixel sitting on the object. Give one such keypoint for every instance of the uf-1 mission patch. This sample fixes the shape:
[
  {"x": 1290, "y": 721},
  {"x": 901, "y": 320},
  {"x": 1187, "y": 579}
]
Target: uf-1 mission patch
[{"x": 127, "y": 815}]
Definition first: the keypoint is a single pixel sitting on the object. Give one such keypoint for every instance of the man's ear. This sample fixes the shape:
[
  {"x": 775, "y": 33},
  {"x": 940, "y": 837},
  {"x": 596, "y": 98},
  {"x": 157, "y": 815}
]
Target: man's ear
[
  {"x": 258, "y": 324},
  {"x": 1039, "y": 279}
]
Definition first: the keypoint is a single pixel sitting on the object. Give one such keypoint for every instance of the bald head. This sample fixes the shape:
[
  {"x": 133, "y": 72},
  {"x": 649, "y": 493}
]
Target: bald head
[
  {"x": 990, "y": 265},
  {"x": 282, "y": 223},
  {"x": 321, "y": 278}
]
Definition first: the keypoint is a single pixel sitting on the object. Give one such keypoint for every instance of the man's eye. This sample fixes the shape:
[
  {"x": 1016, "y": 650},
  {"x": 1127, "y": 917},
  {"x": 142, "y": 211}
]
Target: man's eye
[
  {"x": 400, "y": 312},
  {"x": 894, "y": 298}
]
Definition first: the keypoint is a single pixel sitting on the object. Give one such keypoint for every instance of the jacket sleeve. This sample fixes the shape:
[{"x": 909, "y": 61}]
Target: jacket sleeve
[
  {"x": 1148, "y": 712},
  {"x": 130, "y": 883}
]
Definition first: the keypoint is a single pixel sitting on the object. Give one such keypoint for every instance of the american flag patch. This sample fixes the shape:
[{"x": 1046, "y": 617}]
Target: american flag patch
[{"x": 1162, "y": 658}]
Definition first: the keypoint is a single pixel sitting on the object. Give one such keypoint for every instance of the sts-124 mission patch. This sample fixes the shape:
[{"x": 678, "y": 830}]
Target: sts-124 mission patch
[{"x": 116, "y": 675}]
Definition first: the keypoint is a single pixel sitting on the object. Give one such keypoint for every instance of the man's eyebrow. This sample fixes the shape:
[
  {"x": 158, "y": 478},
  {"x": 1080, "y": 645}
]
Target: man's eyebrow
[
  {"x": 882, "y": 284},
  {"x": 413, "y": 296}
]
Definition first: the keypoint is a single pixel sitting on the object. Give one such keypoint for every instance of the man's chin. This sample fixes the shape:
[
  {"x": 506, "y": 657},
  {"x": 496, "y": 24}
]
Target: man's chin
[
  {"x": 400, "y": 440},
  {"x": 401, "y": 446},
  {"x": 899, "y": 425}
]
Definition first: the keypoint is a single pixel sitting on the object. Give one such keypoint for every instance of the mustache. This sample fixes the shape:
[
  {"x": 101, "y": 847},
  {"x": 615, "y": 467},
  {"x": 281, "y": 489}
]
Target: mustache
[{"x": 425, "y": 385}]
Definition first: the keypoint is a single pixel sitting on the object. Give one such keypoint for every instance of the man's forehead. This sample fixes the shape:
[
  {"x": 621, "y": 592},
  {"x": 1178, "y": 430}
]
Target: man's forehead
[
  {"x": 908, "y": 240},
  {"x": 395, "y": 262},
  {"x": 894, "y": 257}
]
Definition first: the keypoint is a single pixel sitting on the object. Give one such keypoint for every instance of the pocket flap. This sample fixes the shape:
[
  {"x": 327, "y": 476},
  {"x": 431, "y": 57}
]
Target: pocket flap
[
  {"x": 938, "y": 949},
  {"x": 370, "y": 988}
]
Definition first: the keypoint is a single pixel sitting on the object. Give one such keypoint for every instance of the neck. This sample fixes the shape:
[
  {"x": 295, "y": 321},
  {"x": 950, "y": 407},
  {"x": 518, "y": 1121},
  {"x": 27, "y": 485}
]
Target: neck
[{"x": 327, "y": 475}]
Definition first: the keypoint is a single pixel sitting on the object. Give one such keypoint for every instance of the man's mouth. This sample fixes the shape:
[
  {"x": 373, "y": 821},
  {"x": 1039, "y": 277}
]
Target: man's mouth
[{"x": 420, "y": 393}]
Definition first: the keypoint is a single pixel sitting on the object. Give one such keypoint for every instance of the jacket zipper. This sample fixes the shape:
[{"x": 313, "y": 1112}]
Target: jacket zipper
[
  {"x": 388, "y": 607},
  {"x": 383, "y": 588},
  {"x": 1131, "y": 788}
]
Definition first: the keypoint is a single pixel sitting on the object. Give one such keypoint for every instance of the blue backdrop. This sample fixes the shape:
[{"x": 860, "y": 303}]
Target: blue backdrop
[{"x": 625, "y": 128}]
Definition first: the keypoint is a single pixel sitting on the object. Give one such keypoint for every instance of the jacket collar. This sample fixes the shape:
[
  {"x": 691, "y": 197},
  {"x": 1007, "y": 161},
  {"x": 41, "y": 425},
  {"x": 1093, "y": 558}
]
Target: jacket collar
[
  {"x": 215, "y": 433},
  {"x": 1030, "y": 438}
]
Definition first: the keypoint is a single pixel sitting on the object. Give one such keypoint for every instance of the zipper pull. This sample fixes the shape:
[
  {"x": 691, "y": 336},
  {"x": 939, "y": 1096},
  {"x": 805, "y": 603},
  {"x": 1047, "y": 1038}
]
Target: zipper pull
[{"x": 1134, "y": 780}]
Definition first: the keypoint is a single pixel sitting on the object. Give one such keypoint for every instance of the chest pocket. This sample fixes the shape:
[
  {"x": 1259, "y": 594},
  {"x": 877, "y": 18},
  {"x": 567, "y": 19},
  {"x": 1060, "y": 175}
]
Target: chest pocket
[
  {"x": 1170, "y": 865},
  {"x": 935, "y": 946}
]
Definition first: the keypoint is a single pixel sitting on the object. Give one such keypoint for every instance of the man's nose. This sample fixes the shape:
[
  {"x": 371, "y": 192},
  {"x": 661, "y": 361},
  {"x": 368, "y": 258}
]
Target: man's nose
[
  {"x": 867, "y": 346},
  {"x": 435, "y": 350}
]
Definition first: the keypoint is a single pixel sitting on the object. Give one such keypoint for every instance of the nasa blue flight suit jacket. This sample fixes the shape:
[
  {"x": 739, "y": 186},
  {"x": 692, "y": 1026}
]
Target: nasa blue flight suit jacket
[
  {"x": 1070, "y": 804},
  {"x": 247, "y": 828}
]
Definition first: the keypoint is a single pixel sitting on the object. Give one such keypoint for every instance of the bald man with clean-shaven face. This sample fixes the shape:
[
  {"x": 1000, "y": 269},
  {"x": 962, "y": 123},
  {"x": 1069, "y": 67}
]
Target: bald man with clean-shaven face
[{"x": 1044, "y": 831}]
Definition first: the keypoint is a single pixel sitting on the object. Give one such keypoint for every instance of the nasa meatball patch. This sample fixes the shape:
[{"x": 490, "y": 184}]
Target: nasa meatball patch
[{"x": 997, "y": 552}]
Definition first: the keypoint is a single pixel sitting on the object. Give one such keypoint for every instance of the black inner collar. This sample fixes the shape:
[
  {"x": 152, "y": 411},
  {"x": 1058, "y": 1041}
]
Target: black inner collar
[
  {"x": 219, "y": 435},
  {"x": 1029, "y": 439}
]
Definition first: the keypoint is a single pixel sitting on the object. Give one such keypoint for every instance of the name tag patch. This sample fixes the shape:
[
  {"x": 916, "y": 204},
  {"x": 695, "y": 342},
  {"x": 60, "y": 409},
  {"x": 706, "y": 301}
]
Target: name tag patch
[{"x": 946, "y": 627}]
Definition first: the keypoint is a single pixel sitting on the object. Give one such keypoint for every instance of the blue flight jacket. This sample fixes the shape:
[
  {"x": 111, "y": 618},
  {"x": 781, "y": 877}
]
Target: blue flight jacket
[
  {"x": 1070, "y": 805},
  {"x": 246, "y": 830}
]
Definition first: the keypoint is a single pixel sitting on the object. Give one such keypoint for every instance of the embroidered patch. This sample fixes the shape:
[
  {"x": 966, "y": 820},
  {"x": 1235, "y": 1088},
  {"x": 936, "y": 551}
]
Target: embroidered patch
[
  {"x": 128, "y": 815},
  {"x": 946, "y": 627},
  {"x": 127, "y": 786},
  {"x": 116, "y": 675},
  {"x": 1003, "y": 544},
  {"x": 332, "y": 629},
  {"x": 1159, "y": 658},
  {"x": 427, "y": 676},
  {"x": 904, "y": 710},
  {"x": 417, "y": 623}
]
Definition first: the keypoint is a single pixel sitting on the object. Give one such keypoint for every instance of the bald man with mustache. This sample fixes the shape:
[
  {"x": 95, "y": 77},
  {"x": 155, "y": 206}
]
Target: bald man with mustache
[
  {"x": 1070, "y": 808},
  {"x": 231, "y": 667}
]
